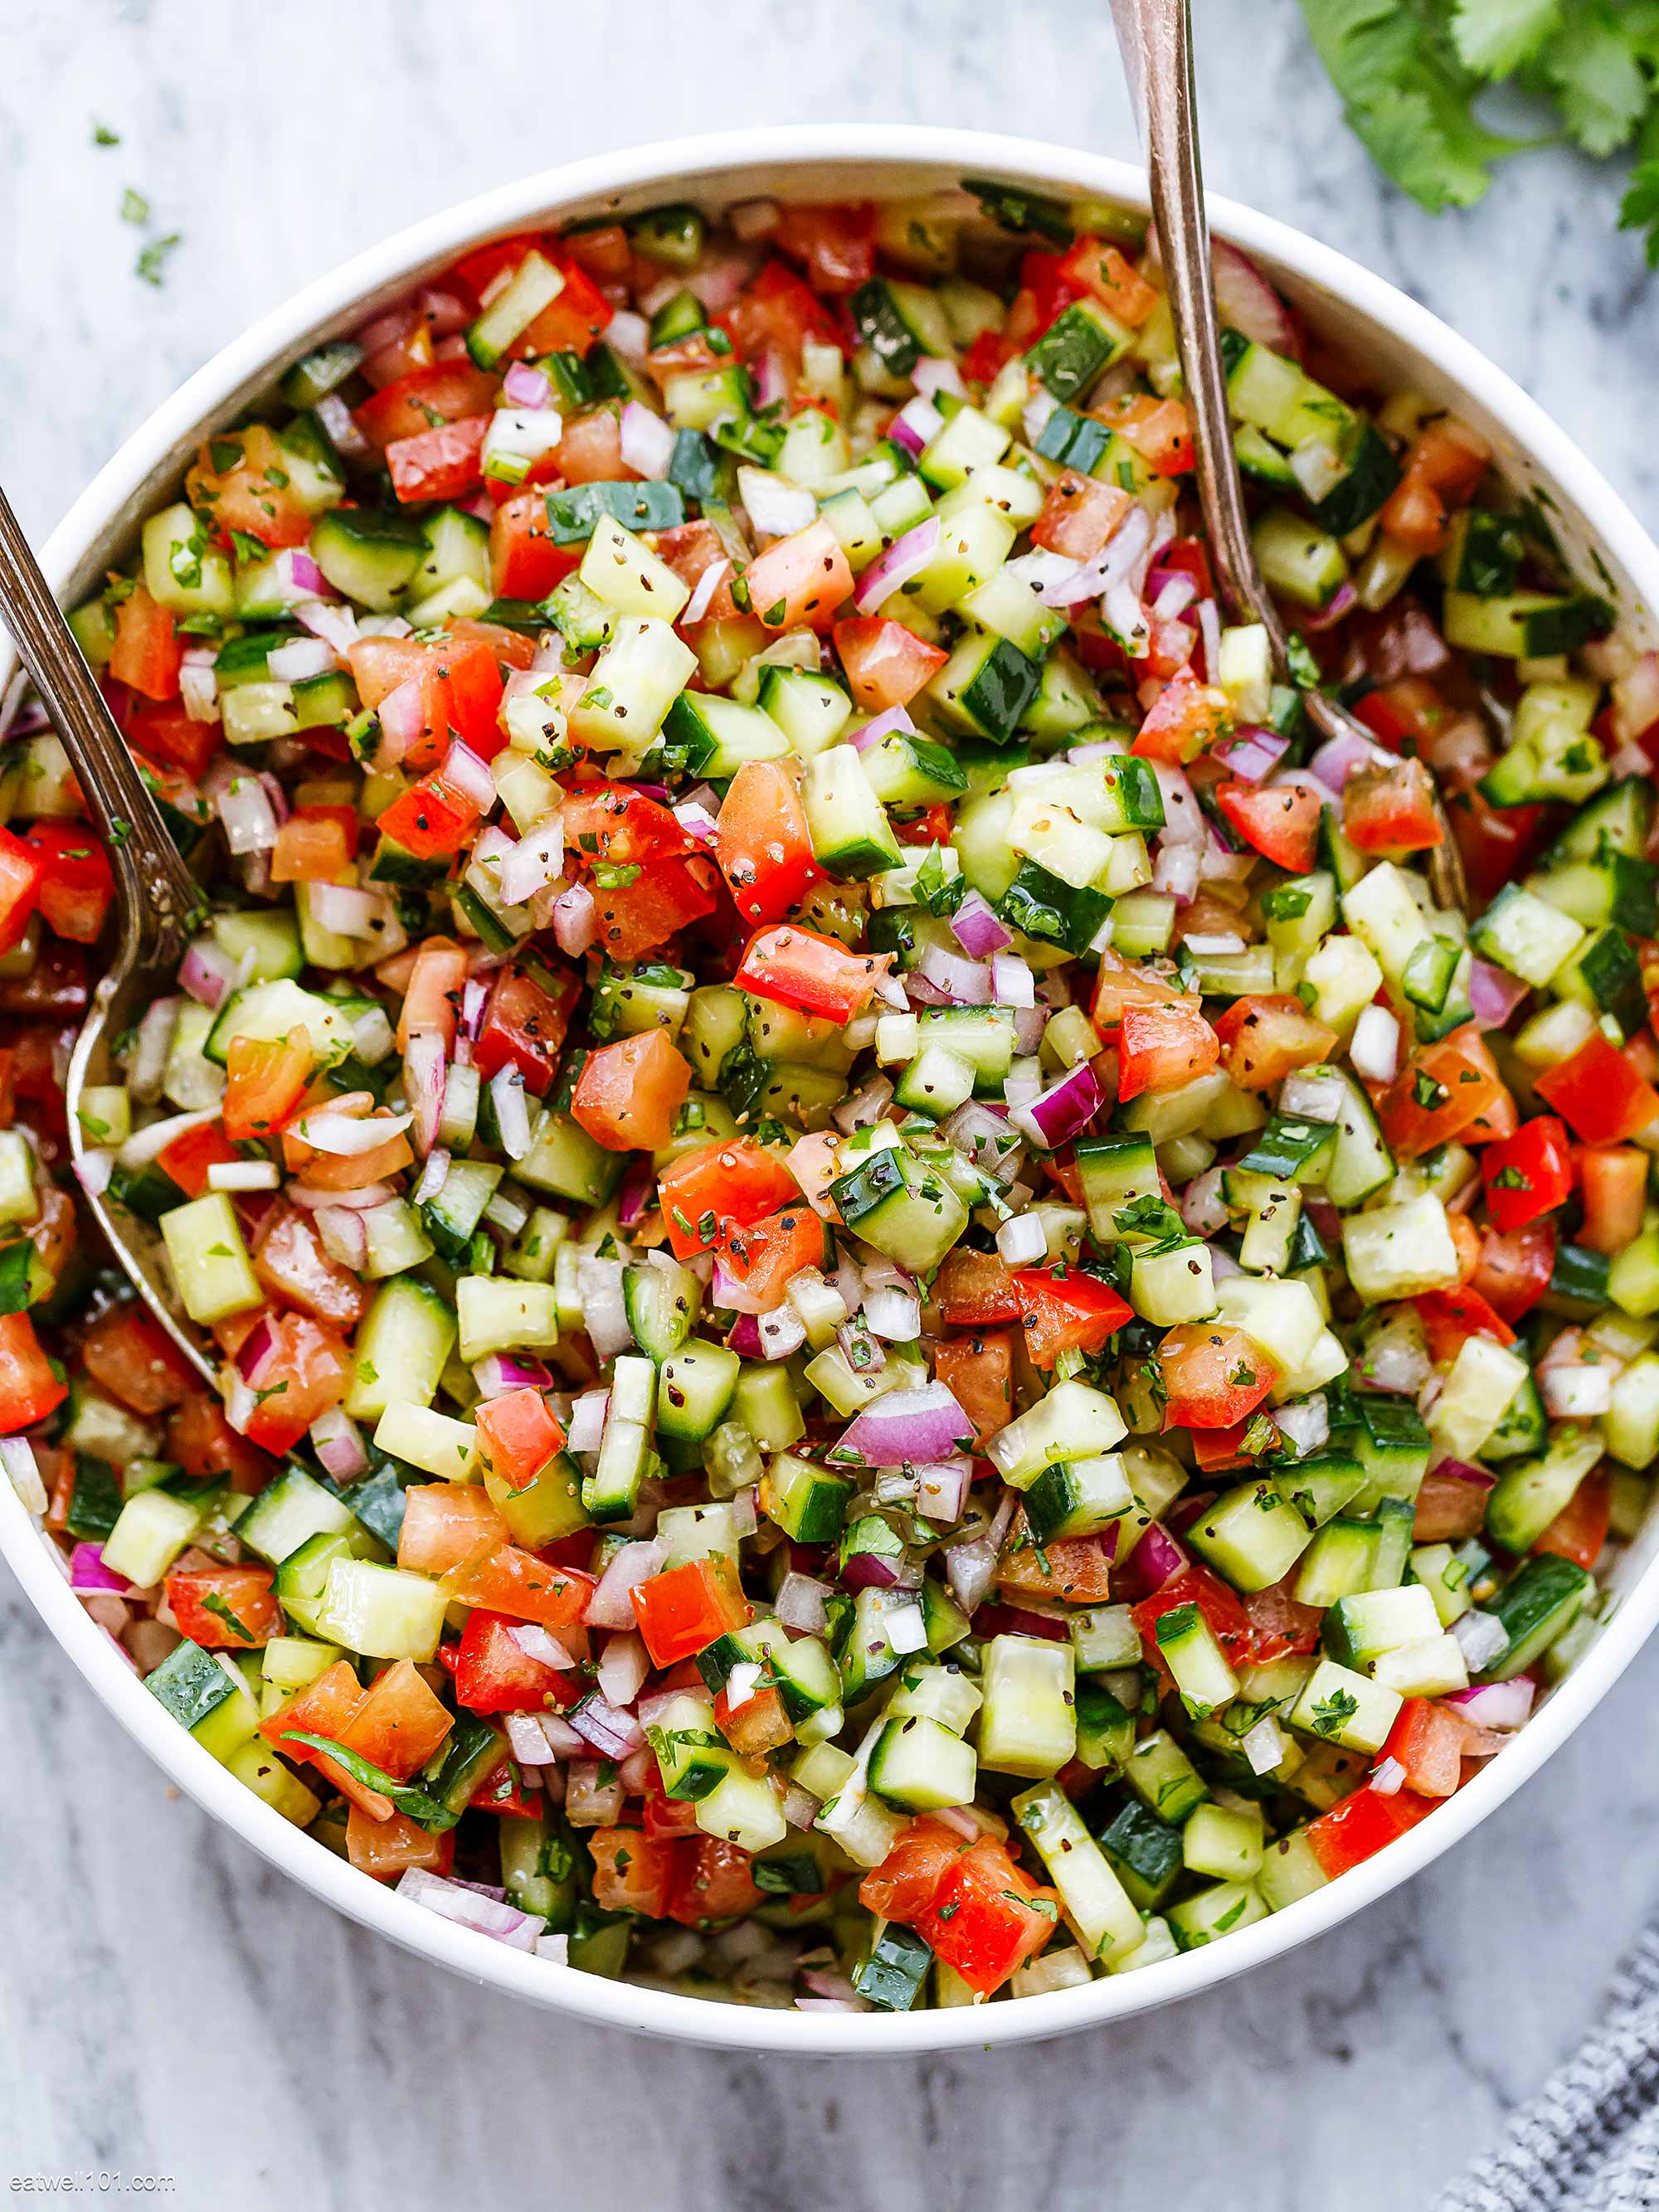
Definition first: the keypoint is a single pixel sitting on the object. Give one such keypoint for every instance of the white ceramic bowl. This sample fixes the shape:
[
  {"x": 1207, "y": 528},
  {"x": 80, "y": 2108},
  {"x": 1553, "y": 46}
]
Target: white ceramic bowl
[{"x": 1409, "y": 346}]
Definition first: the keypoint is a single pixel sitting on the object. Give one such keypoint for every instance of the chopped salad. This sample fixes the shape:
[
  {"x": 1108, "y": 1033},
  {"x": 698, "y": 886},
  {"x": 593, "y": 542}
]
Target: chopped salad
[{"x": 898, "y": 1321}]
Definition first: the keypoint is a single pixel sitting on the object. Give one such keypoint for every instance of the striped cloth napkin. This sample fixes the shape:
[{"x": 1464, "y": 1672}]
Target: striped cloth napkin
[{"x": 1589, "y": 2141}]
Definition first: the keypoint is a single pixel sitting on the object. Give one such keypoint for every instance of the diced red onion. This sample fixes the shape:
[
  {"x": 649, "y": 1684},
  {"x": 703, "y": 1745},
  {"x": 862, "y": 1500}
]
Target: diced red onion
[
  {"x": 347, "y": 910},
  {"x": 800, "y": 1603},
  {"x": 344, "y": 1232},
  {"x": 338, "y": 1443},
  {"x": 458, "y": 1901},
  {"x": 1482, "y": 1635},
  {"x": 349, "y": 1136},
  {"x": 1156, "y": 1558},
  {"x": 363, "y": 1200},
  {"x": 866, "y": 1107},
  {"x": 612, "y": 1733},
  {"x": 1342, "y": 602},
  {"x": 198, "y": 687},
  {"x": 978, "y": 928},
  {"x": 985, "y": 1138},
  {"x": 525, "y": 385},
  {"x": 1576, "y": 1393},
  {"x": 696, "y": 821},
  {"x": 244, "y": 806},
  {"x": 782, "y": 1332},
  {"x": 599, "y": 1292},
  {"x": 143, "y": 1146},
  {"x": 1248, "y": 302},
  {"x": 744, "y": 1337},
  {"x": 881, "y": 726},
  {"x": 208, "y": 972},
  {"x": 261, "y": 1345},
  {"x": 1171, "y": 592},
  {"x": 970, "y": 1568},
  {"x": 942, "y": 1489},
  {"x": 89, "y": 1577},
  {"x": 463, "y": 771},
  {"x": 915, "y": 425},
  {"x": 1064, "y": 1110},
  {"x": 609, "y": 1605},
  {"x": 905, "y": 1425},
  {"x": 586, "y": 1425},
  {"x": 1387, "y": 1777},
  {"x": 703, "y": 591},
  {"x": 1109, "y": 567},
  {"x": 1344, "y": 756},
  {"x": 903, "y": 561},
  {"x": 507, "y": 1093},
  {"x": 630, "y": 334},
  {"x": 1252, "y": 752},
  {"x": 433, "y": 1174},
  {"x": 777, "y": 507},
  {"x": 1636, "y": 699},
  {"x": 243, "y": 1175},
  {"x": 499, "y": 1372},
  {"x": 1013, "y": 983},
  {"x": 931, "y": 376},
  {"x": 771, "y": 380},
  {"x": 534, "y": 860},
  {"x": 1493, "y": 994},
  {"x": 634, "y": 1194},
  {"x": 93, "y": 1170},
  {"x": 575, "y": 920},
  {"x": 893, "y": 1313},
  {"x": 1174, "y": 872},
  {"x": 1502, "y": 1706},
  {"x": 647, "y": 442},
  {"x": 1021, "y": 1240},
  {"x": 424, "y": 1084},
  {"x": 623, "y": 1665},
  {"x": 964, "y": 982},
  {"x": 1307, "y": 1425},
  {"x": 301, "y": 659}
]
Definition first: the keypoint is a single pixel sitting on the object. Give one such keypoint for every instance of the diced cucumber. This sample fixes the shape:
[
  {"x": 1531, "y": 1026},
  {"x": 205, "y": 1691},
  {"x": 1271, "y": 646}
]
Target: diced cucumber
[{"x": 1029, "y": 1721}]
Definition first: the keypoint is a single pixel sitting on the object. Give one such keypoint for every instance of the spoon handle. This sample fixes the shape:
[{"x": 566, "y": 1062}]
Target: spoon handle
[
  {"x": 159, "y": 895},
  {"x": 1156, "y": 40}
]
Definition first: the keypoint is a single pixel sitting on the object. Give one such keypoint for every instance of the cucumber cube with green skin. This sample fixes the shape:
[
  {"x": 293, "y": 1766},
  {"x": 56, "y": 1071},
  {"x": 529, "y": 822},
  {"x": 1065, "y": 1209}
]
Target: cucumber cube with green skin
[
  {"x": 919, "y": 1766},
  {"x": 289, "y": 1511},
  {"x": 986, "y": 687},
  {"x": 1076, "y": 349},
  {"x": 1074, "y": 1421},
  {"x": 1540, "y": 1604},
  {"x": 892, "y": 1977},
  {"x": 383, "y": 1612},
  {"x": 1216, "y": 1911},
  {"x": 1186, "y": 1645},
  {"x": 1163, "y": 1777},
  {"x": 808, "y": 1502},
  {"x": 151, "y": 1530},
  {"x": 1530, "y": 1493},
  {"x": 694, "y": 1390},
  {"x": 1251, "y": 1534},
  {"x": 368, "y": 554},
  {"x": 1029, "y": 1721},
  {"x": 210, "y": 1259},
  {"x": 850, "y": 832},
  {"x": 1078, "y": 1498},
  {"x": 1223, "y": 1841},
  {"x": 902, "y": 1208},
  {"x": 1105, "y": 1730},
  {"x": 1145, "y": 1853},
  {"x": 1096, "y": 1901},
  {"x": 1341, "y": 1706},
  {"x": 1302, "y": 562},
  {"x": 206, "y": 1694}
]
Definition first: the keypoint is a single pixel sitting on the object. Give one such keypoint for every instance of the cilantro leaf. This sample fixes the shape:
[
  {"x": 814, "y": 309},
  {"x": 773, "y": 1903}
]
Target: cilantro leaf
[
  {"x": 1494, "y": 37},
  {"x": 1603, "y": 91},
  {"x": 1639, "y": 209}
]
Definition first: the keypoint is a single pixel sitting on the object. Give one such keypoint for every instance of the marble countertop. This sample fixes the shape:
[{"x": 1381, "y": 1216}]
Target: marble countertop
[{"x": 170, "y": 2007}]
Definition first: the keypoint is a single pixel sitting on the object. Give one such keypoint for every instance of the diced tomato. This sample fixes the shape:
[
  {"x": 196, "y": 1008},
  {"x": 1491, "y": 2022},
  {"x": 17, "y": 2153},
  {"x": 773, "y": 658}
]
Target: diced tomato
[
  {"x": 632, "y": 1872},
  {"x": 448, "y": 392},
  {"x": 1065, "y": 1309},
  {"x": 164, "y": 732},
  {"x": 1358, "y": 1828},
  {"x": 1441, "y": 1092},
  {"x": 518, "y": 1435},
  {"x": 400, "y": 1722},
  {"x": 146, "y": 653},
  {"x": 1079, "y": 513},
  {"x": 1495, "y": 844},
  {"x": 764, "y": 1255},
  {"x": 1162, "y": 1047},
  {"x": 385, "y": 1849},
  {"x": 763, "y": 843},
  {"x": 324, "y": 1707},
  {"x": 778, "y": 310},
  {"x": 265, "y": 1081},
  {"x": 525, "y": 562},
  {"x": 493, "y": 1676},
  {"x": 1527, "y": 1175},
  {"x": 802, "y": 968},
  {"x": 684, "y": 1609},
  {"x": 1215, "y": 1375},
  {"x": 987, "y": 356},
  {"x": 713, "y": 1881},
  {"x": 516, "y": 1583},
  {"x": 128, "y": 1352},
  {"x": 1427, "y": 1739},
  {"x": 1224, "y": 1612},
  {"x": 242, "y": 481},
  {"x": 974, "y": 1287},
  {"x": 1600, "y": 1093},
  {"x": 1093, "y": 266},
  {"x": 434, "y": 992},
  {"x": 628, "y": 1094},
  {"x": 315, "y": 845},
  {"x": 885, "y": 663},
  {"x": 76, "y": 887},
  {"x": 1064, "y": 1570},
  {"x": 1280, "y": 1627},
  {"x": 1281, "y": 820},
  {"x": 1410, "y": 708},
  {"x": 1391, "y": 809},
  {"x": 572, "y": 323},
  {"x": 1160, "y": 430},
  {"x": 590, "y": 451},
  {"x": 1450, "y": 1506},
  {"x": 755, "y": 1725},
  {"x": 446, "y": 463},
  {"x": 226, "y": 1608},
  {"x": 905, "y": 1883},
  {"x": 471, "y": 694},
  {"x": 524, "y": 1026},
  {"x": 312, "y": 1367},
  {"x": 663, "y": 898},
  {"x": 735, "y": 1180},
  {"x": 201, "y": 1443},
  {"x": 1614, "y": 1180},
  {"x": 987, "y": 1918},
  {"x": 801, "y": 579},
  {"x": 613, "y": 824},
  {"x": 978, "y": 1370},
  {"x": 1450, "y": 1318},
  {"x": 1186, "y": 717},
  {"x": 1580, "y": 1529},
  {"x": 1263, "y": 1037},
  {"x": 295, "y": 1268},
  {"x": 1515, "y": 1268},
  {"x": 432, "y": 820},
  {"x": 191, "y": 1154},
  {"x": 29, "y": 1390}
]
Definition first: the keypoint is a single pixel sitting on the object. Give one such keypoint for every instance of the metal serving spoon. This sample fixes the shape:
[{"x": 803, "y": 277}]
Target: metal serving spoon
[
  {"x": 156, "y": 896},
  {"x": 1155, "y": 37}
]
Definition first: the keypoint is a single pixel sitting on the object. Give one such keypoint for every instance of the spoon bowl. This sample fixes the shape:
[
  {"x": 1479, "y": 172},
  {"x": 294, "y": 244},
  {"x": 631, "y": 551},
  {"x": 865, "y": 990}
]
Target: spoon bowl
[{"x": 157, "y": 898}]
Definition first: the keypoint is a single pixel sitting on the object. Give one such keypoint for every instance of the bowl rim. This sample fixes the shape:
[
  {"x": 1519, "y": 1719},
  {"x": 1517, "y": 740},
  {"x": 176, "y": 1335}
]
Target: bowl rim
[{"x": 274, "y": 337}]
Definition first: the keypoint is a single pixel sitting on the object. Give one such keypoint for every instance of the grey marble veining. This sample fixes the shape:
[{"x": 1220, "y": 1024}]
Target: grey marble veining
[{"x": 166, "y": 2004}]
